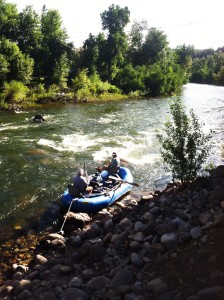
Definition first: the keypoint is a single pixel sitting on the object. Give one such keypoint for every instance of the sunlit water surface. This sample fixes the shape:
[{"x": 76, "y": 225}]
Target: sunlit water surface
[{"x": 38, "y": 160}]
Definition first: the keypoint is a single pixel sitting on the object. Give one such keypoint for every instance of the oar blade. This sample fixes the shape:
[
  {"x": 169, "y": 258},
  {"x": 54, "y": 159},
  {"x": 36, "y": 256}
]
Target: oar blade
[{"x": 121, "y": 180}]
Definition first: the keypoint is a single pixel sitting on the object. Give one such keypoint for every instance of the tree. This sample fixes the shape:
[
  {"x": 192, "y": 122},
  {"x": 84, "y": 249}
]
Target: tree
[
  {"x": 53, "y": 43},
  {"x": 4, "y": 70},
  {"x": 28, "y": 32},
  {"x": 155, "y": 42},
  {"x": 136, "y": 40},
  {"x": 114, "y": 20},
  {"x": 90, "y": 53},
  {"x": 8, "y": 20},
  {"x": 219, "y": 78},
  {"x": 200, "y": 71},
  {"x": 60, "y": 73},
  {"x": 20, "y": 66},
  {"x": 184, "y": 146},
  {"x": 184, "y": 59},
  {"x": 131, "y": 79}
]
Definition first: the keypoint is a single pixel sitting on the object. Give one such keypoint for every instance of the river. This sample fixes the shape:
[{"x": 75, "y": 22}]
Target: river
[{"x": 38, "y": 160}]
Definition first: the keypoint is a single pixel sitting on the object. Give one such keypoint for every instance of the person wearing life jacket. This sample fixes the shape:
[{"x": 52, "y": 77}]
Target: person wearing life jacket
[
  {"x": 80, "y": 184},
  {"x": 113, "y": 167}
]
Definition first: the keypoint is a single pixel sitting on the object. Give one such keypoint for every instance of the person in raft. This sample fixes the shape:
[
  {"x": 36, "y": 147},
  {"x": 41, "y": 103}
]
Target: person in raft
[
  {"x": 113, "y": 166},
  {"x": 80, "y": 184}
]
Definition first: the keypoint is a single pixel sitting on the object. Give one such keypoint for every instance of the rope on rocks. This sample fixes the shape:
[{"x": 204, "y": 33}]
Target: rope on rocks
[{"x": 61, "y": 231}]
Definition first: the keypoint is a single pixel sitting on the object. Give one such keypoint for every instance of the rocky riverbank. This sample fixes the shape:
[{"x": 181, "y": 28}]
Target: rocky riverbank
[{"x": 164, "y": 245}]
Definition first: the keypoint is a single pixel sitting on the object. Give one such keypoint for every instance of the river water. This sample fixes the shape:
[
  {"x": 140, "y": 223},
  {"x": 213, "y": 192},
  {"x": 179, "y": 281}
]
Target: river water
[{"x": 37, "y": 161}]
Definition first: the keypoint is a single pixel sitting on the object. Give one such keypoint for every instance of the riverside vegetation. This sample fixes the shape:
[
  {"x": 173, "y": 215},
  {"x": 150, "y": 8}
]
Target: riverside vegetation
[{"x": 39, "y": 65}]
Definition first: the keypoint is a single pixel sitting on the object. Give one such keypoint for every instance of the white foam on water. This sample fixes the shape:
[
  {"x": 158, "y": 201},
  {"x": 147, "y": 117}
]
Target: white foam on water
[
  {"x": 45, "y": 142},
  {"x": 106, "y": 120},
  {"x": 12, "y": 127},
  {"x": 129, "y": 155},
  {"x": 133, "y": 150},
  {"x": 74, "y": 143}
]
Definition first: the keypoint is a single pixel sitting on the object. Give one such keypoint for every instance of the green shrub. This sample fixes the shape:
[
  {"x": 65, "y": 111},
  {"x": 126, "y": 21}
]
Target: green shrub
[
  {"x": 40, "y": 88},
  {"x": 15, "y": 91},
  {"x": 85, "y": 86},
  {"x": 53, "y": 89},
  {"x": 184, "y": 146},
  {"x": 82, "y": 94}
]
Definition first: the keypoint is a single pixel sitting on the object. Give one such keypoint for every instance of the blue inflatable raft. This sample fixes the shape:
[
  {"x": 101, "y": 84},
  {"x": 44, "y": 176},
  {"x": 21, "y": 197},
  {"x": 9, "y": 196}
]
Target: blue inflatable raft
[{"x": 111, "y": 189}]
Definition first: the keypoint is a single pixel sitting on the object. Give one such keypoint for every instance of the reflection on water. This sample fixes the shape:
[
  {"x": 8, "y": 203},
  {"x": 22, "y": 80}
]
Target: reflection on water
[{"x": 38, "y": 160}]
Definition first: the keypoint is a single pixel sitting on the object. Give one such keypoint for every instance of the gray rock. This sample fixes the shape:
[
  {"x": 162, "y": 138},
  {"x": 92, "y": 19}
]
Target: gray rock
[
  {"x": 139, "y": 226},
  {"x": 138, "y": 237},
  {"x": 168, "y": 238},
  {"x": 122, "y": 277},
  {"x": 158, "y": 286},
  {"x": 136, "y": 260},
  {"x": 219, "y": 220},
  {"x": 24, "y": 295},
  {"x": 212, "y": 292},
  {"x": 97, "y": 283},
  {"x": 165, "y": 228},
  {"x": 75, "y": 240},
  {"x": 75, "y": 282},
  {"x": 57, "y": 244},
  {"x": 196, "y": 232},
  {"x": 126, "y": 224},
  {"x": 74, "y": 293},
  {"x": 40, "y": 259},
  {"x": 53, "y": 236},
  {"x": 205, "y": 218}
]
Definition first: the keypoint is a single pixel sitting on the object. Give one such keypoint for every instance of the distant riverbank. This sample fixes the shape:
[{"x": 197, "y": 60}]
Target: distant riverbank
[{"x": 64, "y": 98}]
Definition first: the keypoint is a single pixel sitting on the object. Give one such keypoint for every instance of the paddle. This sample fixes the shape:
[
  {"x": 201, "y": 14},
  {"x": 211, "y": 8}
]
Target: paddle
[
  {"x": 85, "y": 171},
  {"x": 124, "y": 181},
  {"x": 125, "y": 161}
]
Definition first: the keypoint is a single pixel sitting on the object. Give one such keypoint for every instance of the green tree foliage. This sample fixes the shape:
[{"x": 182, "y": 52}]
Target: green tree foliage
[
  {"x": 136, "y": 40},
  {"x": 8, "y": 20},
  {"x": 19, "y": 65},
  {"x": 53, "y": 44},
  {"x": 90, "y": 54},
  {"x": 86, "y": 86},
  {"x": 184, "y": 59},
  {"x": 4, "y": 69},
  {"x": 184, "y": 145},
  {"x": 207, "y": 67},
  {"x": 60, "y": 72},
  {"x": 155, "y": 42},
  {"x": 28, "y": 32},
  {"x": 219, "y": 78},
  {"x": 34, "y": 50},
  {"x": 114, "y": 20},
  {"x": 200, "y": 71},
  {"x": 131, "y": 79}
]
